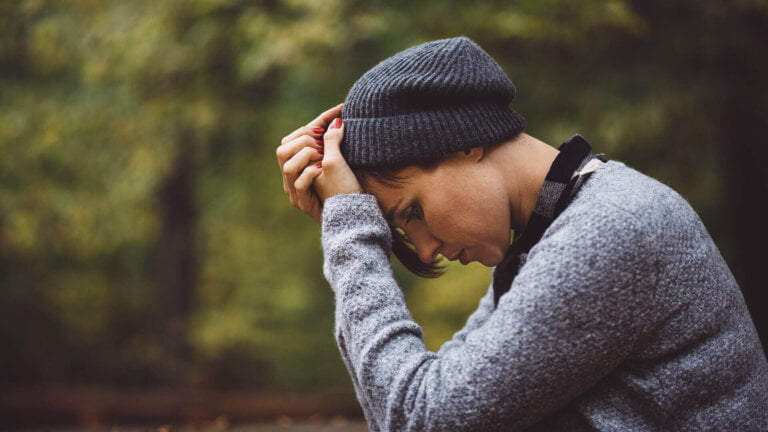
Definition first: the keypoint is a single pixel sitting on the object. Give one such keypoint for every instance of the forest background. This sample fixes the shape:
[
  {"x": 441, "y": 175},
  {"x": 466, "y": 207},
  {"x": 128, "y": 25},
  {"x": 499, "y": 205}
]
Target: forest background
[{"x": 145, "y": 240}]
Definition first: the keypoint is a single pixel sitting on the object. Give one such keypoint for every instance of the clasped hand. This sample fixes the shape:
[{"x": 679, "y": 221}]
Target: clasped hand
[{"x": 312, "y": 165}]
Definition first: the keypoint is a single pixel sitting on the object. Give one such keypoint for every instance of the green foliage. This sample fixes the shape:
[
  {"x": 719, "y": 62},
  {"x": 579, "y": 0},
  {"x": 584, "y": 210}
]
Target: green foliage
[{"x": 100, "y": 99}]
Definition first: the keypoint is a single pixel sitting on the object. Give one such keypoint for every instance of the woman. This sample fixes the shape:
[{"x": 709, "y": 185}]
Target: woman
[{"x": 611, "y": 310}]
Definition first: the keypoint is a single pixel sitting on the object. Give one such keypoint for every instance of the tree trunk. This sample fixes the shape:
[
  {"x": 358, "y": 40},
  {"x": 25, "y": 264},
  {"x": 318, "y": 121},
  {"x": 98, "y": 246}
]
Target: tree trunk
[{"x": 175, "y": 265}]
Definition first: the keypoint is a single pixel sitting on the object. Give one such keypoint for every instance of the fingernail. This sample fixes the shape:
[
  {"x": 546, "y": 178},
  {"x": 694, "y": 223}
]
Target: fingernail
[
  {"x": 318, "y": 130},
  {"x": 336, "y": 123},
  {"x": 319, "y": 164},
  {"x": 320, "y": 151},
  {"x": 319, "y": 142}
]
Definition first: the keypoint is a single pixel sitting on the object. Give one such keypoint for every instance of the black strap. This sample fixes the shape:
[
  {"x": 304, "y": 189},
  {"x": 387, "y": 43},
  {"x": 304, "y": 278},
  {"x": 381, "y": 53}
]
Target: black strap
[{"x": 560, "y": 185}]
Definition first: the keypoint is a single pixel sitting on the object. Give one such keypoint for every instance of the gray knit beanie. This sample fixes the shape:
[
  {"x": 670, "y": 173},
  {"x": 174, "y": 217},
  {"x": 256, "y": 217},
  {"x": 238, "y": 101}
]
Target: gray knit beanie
[{"x": 432, "y": 99}]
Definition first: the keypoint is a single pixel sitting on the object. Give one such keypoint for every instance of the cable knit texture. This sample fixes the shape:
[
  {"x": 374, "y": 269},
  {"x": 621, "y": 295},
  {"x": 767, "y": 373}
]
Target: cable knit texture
[
  {"x": 623, "y": 317},
  {"x": 429, "y": 100}
]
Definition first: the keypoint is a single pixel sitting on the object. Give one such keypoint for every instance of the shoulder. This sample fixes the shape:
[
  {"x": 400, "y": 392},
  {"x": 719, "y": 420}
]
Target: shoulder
[
  {"x": 621, "y": 214},
  {"x": 617, "y": 192}
]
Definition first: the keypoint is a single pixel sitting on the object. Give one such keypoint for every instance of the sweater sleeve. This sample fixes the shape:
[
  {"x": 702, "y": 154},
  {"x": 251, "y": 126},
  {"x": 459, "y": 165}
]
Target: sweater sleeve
[
  {"x": 475, "y": 321},
  {"x": 574, "y": 312}
]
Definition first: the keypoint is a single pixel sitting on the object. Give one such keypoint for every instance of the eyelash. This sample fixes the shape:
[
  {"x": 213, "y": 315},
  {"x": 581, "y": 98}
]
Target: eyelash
[{"x": 414, "y": 211}]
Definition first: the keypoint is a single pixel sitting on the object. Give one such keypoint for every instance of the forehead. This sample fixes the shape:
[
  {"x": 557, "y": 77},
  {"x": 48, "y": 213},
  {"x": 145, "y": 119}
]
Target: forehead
[
  {"x": 396, "y": 183},
  {"x": 390, "y": 194}
]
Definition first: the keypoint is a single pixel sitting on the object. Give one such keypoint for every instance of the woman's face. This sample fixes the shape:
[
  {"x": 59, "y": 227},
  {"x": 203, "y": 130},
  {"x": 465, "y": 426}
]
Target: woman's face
[{"x": 461, "y": 209}]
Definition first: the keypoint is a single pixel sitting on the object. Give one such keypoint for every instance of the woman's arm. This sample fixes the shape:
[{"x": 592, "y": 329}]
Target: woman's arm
[
  {"x": 476, "y": 320},
  {"x": 573, "y": 313}
]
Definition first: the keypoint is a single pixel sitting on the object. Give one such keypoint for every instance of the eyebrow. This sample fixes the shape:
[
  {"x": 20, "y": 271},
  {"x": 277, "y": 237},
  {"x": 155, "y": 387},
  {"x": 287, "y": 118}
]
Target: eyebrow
[{"x": 390, "y": 214}]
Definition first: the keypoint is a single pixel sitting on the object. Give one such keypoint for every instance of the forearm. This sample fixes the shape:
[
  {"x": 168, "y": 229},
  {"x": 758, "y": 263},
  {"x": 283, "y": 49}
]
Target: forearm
[
  {"x": 371, "y": 315},
  {"x": 475, "y": 321}
]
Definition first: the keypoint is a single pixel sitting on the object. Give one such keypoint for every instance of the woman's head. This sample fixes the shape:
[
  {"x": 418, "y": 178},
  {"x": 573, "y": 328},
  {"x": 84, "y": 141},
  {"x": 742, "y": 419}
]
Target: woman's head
[
  {"x": 430, "y": 107},
  {"x": 458, "y": 208}
]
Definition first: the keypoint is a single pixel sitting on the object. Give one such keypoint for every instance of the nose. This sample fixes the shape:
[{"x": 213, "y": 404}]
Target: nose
[{"x": 426, "y": 244}]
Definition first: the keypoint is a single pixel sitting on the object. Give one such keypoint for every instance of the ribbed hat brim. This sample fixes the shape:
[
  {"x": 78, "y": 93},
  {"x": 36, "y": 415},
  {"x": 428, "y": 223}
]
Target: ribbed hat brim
[{"x": 427, "y": 135}]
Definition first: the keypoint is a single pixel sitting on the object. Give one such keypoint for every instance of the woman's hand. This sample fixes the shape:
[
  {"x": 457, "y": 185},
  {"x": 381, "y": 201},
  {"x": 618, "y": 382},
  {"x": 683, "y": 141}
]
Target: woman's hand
[
  {"x": 298, "y": 156},
  {"x": 336, "y": 176}
]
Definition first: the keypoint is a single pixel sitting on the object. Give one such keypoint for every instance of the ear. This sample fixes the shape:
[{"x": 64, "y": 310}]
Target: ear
[{"x": 475, "y": 154}]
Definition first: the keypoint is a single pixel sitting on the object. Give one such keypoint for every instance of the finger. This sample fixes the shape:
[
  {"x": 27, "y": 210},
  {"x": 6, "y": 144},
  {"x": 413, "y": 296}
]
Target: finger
[
  {"x": 296, "y": 164},
  {"x": 332, "y": 138},
  {"x": 317, "y": 126},
  {"x": 303, "y": 186},
  {"x": 289, "y": 149},
  {"x": 315, "y": 132},
  {"x": 323, "y": 119}
]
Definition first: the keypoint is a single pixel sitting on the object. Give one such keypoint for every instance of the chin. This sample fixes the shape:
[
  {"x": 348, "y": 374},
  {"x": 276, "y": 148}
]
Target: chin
[
  {"x": 489, "y": 257},
  {"x": 490, "y": 262}
]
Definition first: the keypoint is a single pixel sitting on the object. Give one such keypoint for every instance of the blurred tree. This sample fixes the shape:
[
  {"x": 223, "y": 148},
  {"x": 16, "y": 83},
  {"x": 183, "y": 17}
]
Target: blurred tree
[{"x": 144, "y": 235}]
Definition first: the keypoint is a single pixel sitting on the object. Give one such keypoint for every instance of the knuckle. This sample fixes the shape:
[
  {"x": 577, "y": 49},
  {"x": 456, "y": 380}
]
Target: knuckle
[
  {"x": 307, "y": 151},
  {"x": 281, "y": 153},
  {"x": 299, "y": 185},
  {"x": 307, "y": 140},
  {"x": 287, "y": 168},
  {"x": 332, "y": 133},
  {"x": 330, "y": 162}
]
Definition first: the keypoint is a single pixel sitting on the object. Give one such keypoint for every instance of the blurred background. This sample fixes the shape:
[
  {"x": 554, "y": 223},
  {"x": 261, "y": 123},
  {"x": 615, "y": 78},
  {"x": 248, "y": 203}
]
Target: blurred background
[{"x": 151, "y": 268}]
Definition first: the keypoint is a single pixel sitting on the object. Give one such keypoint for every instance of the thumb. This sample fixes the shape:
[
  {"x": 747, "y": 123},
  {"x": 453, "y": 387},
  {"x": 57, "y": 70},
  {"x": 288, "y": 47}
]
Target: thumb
[
  {"x": 337, "y": 177},
  {"x": 332, "y": 139}
]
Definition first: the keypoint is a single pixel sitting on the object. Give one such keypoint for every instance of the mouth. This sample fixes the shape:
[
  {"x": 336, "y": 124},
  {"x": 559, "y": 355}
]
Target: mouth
[
  {"x": 463, "y": 258},
  {"x": 460, "y": 256},
  {"x": 456, "y": 256}
]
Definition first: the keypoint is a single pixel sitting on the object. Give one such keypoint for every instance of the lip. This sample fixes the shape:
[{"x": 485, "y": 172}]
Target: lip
[
  {"x": 463, "y": 258},
  {"x": 456, "y": 256}
]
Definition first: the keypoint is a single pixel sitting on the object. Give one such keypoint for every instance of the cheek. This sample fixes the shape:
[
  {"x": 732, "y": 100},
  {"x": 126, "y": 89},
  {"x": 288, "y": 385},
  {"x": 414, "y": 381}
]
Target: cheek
[
  {"x": 492, "y": 210},
  {"x": 470, "y": 208},
  {"x": 493, "y": 231},
  {"x": 491, "y": 228},
  {"x": 480, "y": 218}
]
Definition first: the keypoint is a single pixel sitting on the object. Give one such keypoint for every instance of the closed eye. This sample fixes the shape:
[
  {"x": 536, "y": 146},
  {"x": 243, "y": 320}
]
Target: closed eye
[{"x": 414, "y": 211}]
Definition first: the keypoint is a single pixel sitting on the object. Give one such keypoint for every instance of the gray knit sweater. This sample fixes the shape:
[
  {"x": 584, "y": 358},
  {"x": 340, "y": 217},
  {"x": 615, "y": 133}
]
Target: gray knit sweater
[{"x": 624, "y": 317}]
